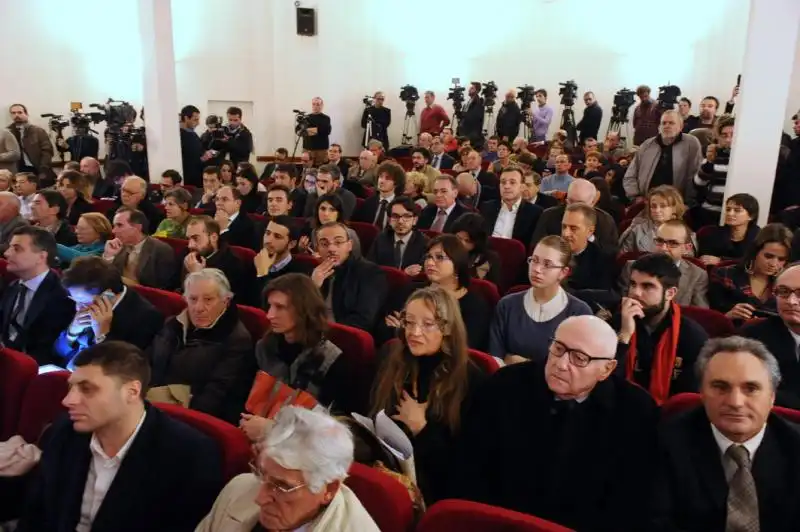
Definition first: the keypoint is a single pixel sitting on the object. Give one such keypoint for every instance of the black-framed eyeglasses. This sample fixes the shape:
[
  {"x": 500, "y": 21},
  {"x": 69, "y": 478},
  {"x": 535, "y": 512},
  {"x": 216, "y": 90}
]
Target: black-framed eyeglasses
[
  {"x": 406, "y": 216},
  {"x": 577, "y": 358},
  {"x": 672, "y": 244},
  {"x": 546, "y": 264},
  {"x": 784, "y": 292}
]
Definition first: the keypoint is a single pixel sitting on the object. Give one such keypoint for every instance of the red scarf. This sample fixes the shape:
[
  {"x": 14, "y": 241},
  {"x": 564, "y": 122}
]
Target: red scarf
[{"x": 663, "y": 358}]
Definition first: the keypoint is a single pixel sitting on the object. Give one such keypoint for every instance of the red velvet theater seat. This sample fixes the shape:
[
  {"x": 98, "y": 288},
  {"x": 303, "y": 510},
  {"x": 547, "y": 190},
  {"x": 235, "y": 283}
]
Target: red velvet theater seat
[
  {"x": 17, "y": 370},
  {"x": 169, "y": 303},
  {"x": 41, "y": 404},
  {"x": 254, "y": 319},
  {"x": 386, "y": 499},
  {"x": 459, "y": 515}
]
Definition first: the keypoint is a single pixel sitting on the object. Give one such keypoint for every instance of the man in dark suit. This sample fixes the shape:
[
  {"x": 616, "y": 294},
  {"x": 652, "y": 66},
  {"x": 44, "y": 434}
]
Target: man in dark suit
[
  {"x": 445, "y": 209},
  {"x": 141, "y": 259},
  {"x": 286, "y": 175},
  {"x": 730, "y": 464},
  {"x": 530, "y": 191},
  {"x": 329, "y": 181},
  {"x": 400, "y": 245},
  {"x": 779, "y": 334},
  {"x": 49, "y": 211},
  {"x": 375, "y": 209},
  {"x": 35, "y": 308},
  {"x": 510, "y": 216},
  {"x": 439, "y": 159},
  {"x": 281, "y": 155},
  {"x": 133, "y": 195},
  {"x": 106, "y": 310},
  {"x": 471, "y": 123},
  {"x": 77, "y": 486},
  {"x": 275, "y": 258},
  {"x": 191, "y": 147},
  {"x": 354, "y": 289},
  {"x": 335, "y": 158},
  {"x": 489, "y": 182},
  {"x": 237, "y": 227},
  {"x": 576, "y": 444},
  {"x": 606, "y": 235}
]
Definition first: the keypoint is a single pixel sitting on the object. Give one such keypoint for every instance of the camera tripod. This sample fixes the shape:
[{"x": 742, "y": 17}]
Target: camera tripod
[
  {"x": 488, "y": 120},
  {"x": 568, "y": 125},
  {"x": 408, "y": 124},
  {"x": 616, "y": 126},
  {"x": 368, "y": 129}
]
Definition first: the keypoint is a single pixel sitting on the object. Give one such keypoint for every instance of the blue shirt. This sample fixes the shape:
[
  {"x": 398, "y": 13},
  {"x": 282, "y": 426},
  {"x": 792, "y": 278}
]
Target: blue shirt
[
  {"x": 555, "y": 183},
  {"x": 541, "y": 118}
]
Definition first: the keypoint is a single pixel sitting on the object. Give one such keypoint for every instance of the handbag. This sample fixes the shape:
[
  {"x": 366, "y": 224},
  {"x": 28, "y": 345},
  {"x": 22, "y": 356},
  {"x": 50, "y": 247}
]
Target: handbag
[
  {"x": 174, "y": 394},
  {"x": 268, "y": 395}
]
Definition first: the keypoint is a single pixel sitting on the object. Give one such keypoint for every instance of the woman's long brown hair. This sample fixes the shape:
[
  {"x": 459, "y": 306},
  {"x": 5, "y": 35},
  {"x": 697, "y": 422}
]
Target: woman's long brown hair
[{"x": 449, "y": 383}]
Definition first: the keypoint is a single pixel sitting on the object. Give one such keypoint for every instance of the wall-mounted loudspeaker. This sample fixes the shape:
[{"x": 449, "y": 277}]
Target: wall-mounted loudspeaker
[{"x": 306, "y": 21}]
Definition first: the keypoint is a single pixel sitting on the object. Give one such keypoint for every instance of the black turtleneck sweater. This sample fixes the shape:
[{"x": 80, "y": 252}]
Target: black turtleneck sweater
[{"x": 662, "y": 175}]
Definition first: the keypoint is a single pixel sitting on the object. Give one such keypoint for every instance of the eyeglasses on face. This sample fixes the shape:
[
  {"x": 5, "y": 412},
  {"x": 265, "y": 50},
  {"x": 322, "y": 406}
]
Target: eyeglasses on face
[
  {"x": 672, "y": 244},
  {"x": 406, "y": 216},
  {"x": 784, "y": 292},
  {"x": 426, "y": 326},
  {"x": 577, "y": 358},
  {"x": 275, "y": 486},
  {"x": 338, "y": 242},
  {"x": 435, "y": 257},
  {"x": 546, "y": 264}
]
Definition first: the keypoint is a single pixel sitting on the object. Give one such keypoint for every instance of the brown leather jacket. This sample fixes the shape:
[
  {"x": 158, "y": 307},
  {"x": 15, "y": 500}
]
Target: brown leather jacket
[{"x": 36, "y": 145}]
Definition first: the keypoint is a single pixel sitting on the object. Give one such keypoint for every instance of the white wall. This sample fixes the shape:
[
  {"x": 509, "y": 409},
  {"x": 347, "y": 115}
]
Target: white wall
[{"x": 248, "y": 50}]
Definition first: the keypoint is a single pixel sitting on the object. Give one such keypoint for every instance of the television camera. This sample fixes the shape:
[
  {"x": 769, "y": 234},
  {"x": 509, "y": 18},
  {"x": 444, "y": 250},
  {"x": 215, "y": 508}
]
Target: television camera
[
  {"x": 489, "y": 95},
  {"x": 668, "y": 96},
  {"x": 526, "y": 95},
  {"x": 568, "y": 92},
  {"x": 456, "y": 94},
  {"x": 623, "y": 101}
]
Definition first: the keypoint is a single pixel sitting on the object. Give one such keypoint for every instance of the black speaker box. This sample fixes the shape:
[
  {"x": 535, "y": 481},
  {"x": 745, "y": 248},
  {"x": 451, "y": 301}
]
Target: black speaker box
[{"x": 306, "y": 21}]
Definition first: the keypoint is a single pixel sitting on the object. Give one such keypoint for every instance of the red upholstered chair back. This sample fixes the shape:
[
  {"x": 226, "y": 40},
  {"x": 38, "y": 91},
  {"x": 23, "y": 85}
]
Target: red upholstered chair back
[
  {"x": 487, "y": 290},
  {"x": 4, "y": 273},
  {"x": 705, "y": 230},
  {"x": 385, "y": 498},
  {"x": 254, "y": 319},
  {"x": 687, "y": 401},
  {"x": 178, "y": 245},
  {"x": 246, "y": 255},
  {"x": 359, "y": 203},
  {"x": 169, "y": 303},
  {"x": 306, "y": 259},
  {"x": 430, "y": 233},
  {"x": 258, "y": 218},
  {"x": 625, "y": 224},
  {"x": 396, "y": 279},
  {"x": 194, "y": 211},
  {"x": 17, "y": 370},
  {"x": 518, "y": 288},
  {"x": 623, "y": 258},
  {"x": 41, "y": 404},
  {"x": 484, "y": 361},
  {"x": 367, "y": 233},
  {"x": 233, "y": 444},
  {"x": 103, "y": 205},
  {"x": 452, "y": 514},
  {"x": 512, "y": 259},
  {"x": 359, "y": 359},
  {"x": 713, "y": 321},
  {"x": 634, "y": 210}
]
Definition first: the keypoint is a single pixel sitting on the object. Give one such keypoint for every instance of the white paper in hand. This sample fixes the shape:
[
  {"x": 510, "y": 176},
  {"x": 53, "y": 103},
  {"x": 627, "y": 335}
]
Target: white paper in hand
[{"x": 393, "y": 435}]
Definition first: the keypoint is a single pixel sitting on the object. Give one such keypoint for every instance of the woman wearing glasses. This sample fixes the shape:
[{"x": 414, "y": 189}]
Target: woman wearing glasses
[
  {"x": 664, "y": 203},
  {"x": 426, "y": 383},
  {"x": 524, "y": 322}
]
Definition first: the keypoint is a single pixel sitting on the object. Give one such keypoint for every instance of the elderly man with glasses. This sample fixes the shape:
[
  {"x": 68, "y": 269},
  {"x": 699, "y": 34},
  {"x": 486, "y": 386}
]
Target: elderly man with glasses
[
  {"x": 133, "y": 196},
  {"x": 565, "y": 439}
]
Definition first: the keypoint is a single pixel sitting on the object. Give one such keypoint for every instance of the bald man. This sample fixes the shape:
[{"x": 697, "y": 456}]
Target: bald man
[
  {"x": 781, "y": 335},
  {"x": 10, "y": 218},
  {"x": 566, "y": 439},
  {"x": 364, "y": 171},
  {"x": 133, "y": 195},
  {"x": 606, "y": 234},
  {"x": 670, "y": 158}
]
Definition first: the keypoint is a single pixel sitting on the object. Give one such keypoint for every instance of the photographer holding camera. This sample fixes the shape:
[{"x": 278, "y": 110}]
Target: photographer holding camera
[
  {"x": 237, "y": 141},
  {"x": 315, "y": 128},
  {"x": 471, "y": 123},
  {"x": 381, "y": 119},
  {"x": 211, "y": 139},
  {"x": 509, "y": 117},
  {"x": 81, "y": 144}
]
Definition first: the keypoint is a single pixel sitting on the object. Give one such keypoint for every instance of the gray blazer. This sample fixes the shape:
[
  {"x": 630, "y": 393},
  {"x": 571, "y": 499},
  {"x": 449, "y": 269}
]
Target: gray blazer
[
  {"x": 157, "y": 264},
  {"x": 10, "y": 152},
  {"x": 692, "y": 288},
  {"x": 686, "y": 158}
]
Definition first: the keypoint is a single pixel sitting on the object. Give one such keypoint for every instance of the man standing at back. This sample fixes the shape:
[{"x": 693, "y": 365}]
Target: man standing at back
[
  {"x": 317, "y": 137},
  {"x": 114, "y": 464},
  {"x": 37, "y": 150},
  {"x": 433, "y": 118},
  {"x": 238, "y": 140},
  {"x": 191, "y": 147}
]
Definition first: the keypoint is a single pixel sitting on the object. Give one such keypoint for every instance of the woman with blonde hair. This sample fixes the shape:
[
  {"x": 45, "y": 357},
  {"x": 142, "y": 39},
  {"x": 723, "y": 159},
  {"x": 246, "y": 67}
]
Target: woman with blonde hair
[
  {"x": 77, "y": 192},
  {"x": 663, "y": 203},
  {"x": 92, "y": 231},
  {"x": 426, "y": 383},
  {"x": 415, "y": 188}
]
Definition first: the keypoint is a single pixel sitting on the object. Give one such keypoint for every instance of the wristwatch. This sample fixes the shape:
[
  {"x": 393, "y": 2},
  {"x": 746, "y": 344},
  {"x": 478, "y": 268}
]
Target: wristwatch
[{"x": 99, "y": 339}]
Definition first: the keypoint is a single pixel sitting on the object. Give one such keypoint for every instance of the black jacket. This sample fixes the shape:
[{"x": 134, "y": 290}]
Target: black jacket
[
  {"x": 606, "y": 233},
  {"x": 592, "y": 278},
  {"x": 524, "y": 224},
  {"x": 49, "y": 312},
  {"x": 294, "y": 266},
  {"x": 446, "y": 162},
  {"x": 151, "y": 212},
  {"x": 509, "y": 117},
  {"x": 143, "y": 496},
  {"x": 690, "y": 491},
  {"x": 242, "y": 232},
  {"x": 717, "y": 242},
  {"x": 191, "y": 151},
  {"x": 65, "y": 235},
  {"x": 359, "y": 292},
  {"x": 382, "y": 250},
  {"x": 428, "y": 216},
  {"x": 298, "y": 197},
  {"x": 320, "y": 141},
  {"x": 471, "y": 123},
  {"x": 239, "y": 145},
  {"x": 590, "y": 123},
  {"x": 530, "y": 454},
  {"x": 81, "y": 206},
  {"x": 241, "y": 275},
  {"x": 545, "y": 201},
  {"x": 381, "y": 119},
  {"x": 780, "y": 342}
]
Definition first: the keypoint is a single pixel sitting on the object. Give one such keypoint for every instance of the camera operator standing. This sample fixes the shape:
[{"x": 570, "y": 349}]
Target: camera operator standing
[
  {"x": 592, "y": 116},
  {"x": 238, "y": 141},
  {"x": 79, "y": 145},
  {"x": 509, "y": 117},
  {"x": 381, "y": 119},
  {"x": 192, "y": 153},
  {"x": 34, "y": 142},
  {"x": 471, "y": 123},
  {"x": 316, "y": 137},
  {"x": 211, "y": 139}
]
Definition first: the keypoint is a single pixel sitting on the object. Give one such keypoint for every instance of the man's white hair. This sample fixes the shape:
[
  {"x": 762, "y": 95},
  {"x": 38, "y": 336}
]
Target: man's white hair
[
  {"x": 311, "y": 442},
  {"x": 582, "y": 191},
  {"x": 141, "y": 183},
  {"x": 11, "y": 197},
  {"x": 214, "y": 275}
]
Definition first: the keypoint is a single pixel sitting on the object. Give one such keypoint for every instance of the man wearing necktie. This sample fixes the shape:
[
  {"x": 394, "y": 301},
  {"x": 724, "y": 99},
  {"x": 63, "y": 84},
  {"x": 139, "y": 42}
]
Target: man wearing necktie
[{"x": 445, "y": 209}]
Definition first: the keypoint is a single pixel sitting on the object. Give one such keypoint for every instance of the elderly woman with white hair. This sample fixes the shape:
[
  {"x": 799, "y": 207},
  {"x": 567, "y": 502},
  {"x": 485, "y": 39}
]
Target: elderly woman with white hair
[
  {"x": 203, "y": 357},
  {"x": 297, "y": 481}
]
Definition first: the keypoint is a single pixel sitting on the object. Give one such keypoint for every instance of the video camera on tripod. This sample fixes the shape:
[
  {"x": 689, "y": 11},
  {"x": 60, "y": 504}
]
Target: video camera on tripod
[
  {"x": 457, "y": 95},
  {"x": 56, "y": 123},
  {"x": 489, "y": 94},
  {"x": 120, "y": 134},
  {"x": 409, "y": 94},
  {"x": 668, "y": 96},
  {"x": 568, "y": 92},
  {"x": 526, "y": 95},
  {"x": 623, "y": 100}
]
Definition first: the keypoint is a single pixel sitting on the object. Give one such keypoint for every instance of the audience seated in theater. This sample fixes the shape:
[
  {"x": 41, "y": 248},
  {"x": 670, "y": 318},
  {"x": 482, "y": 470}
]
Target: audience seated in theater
[
  {"x": 503, "y": 159},
  {"x": 253, "y": 199},
  {"x": 78, "y": 487},
  {"x": 416, "y": 184},
  {"x": 329, "y": 209},
  {"x": 489, "y": 181},
  {"x": 745, "y": 290},
  {"x": 295, "y": 350},
  {"x": 463, "y": 154},
  {"x": 400, "y": 245},
  {"x": 90, "y": 167},
  {"x": 116, "y": 172},
  {"x": 391, "y": 182},
  {"x": 92, "y": 232},
  {"x": 176, "y": 207},
  {"x": 286, "y": 175},
  {"x": 446, "y": 266},
  {"x": 34, "y": 308},
  {"x": 510, "y": 216},
  {"x": 657, "y": 344},
  {"x": 25, "y": 186},
  {"x": 489, "y": 154},
  {"x": 378, "y": 150},
  {"x": 211, "y": 184},
  {"x": 297, "y": 481},
  {"x": 530, "y": 453},
  {"x": 445, "y": 209},
  {"x": 611, "y": 149},
  {"x": 555, "y": 149},
  {"x": 421, "y": 162},
  {"x": 730, "y": 241},
  {"x": 449, "y": 141},
  {"x": 281, "y": 156},
  {"x": 592, "y": 165},
  {"x": 72, "y": 185},
  {"x": 778, "y": 334},
  {"x": 662, "y": 204},
  {"x": 670, "y": 158},
  {"x": 426, "y": 383},
  {"x": 10, "y": 217},
  {"x": 237, "y": 227},
  {"x": 582, "y": 191},
  {"x": 335, "y": 158},
  {"x": 672, "y": 239},
  {"x": 424, "y": 140},
  {"x": 133, "y": 196},
  {"x": 354, "y": 288},
  {"x": 206, "y": 249},
  {"x": 729, "y": 464},
  {"x": 531, "y": 182},
  {"x": 205, "y": 350},
  {"x": 364, "y": 171},
  {"x": 524, "y": 322},
  {"x": 606, "y": 202},
  {"x": 141, "y": 259},
  {"x": 558, "y": 184},
  {"x": 329, "y": 182},
  {"x": 592, "y": 275},
  {"x": 48, "y": 211},
  {"x": 106, "y": 310},
  {"x": 439, "y": 159},
  {"x": 275, "y": 258},
  {"x": 227, "y": 173},
  {"x": 170, "y": 180},
  {"x": 470, "y": 191},
  {"x": 484, "y": 263},
  {"x": 279, "y": 201},
  {"x": 713, "y": 175}
]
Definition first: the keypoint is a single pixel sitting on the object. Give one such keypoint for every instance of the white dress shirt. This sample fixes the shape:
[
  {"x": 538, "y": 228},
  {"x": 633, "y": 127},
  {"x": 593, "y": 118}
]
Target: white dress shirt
[
  {"x": 542, "y": 312},
  {"x": 723, "y": 443},
  {"x": 102, "y": 470},
  {"x": 504, "y": 226},
  {"x": 230, "y": 221},
  {"x": 25, "y": 206}
]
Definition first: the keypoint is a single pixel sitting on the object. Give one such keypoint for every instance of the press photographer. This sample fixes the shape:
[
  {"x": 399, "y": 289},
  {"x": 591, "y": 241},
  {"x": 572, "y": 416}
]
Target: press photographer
[
  {"x": 509, "y": 117},
  {"x": 375, "y": 120},
  {"x": 470, "y": 124},
  {"x": 237, "y": 141},
  {"x": 211, "y": 140},
  {"x": 81, "y": 144},
  {"x": 315, "y": 129}
]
